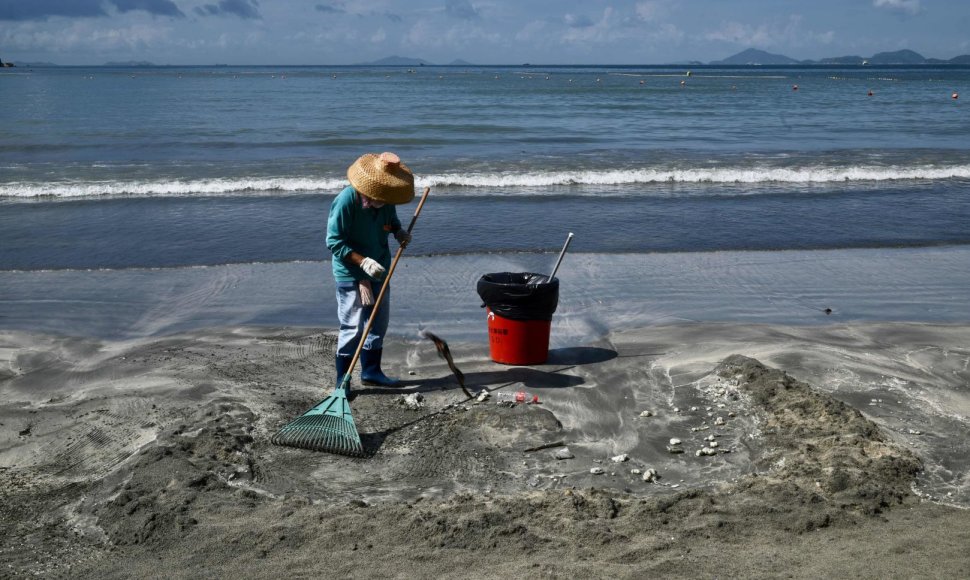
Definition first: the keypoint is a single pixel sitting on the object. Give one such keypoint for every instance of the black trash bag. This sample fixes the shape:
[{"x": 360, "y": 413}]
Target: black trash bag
[{"x": 520, "y": 296}]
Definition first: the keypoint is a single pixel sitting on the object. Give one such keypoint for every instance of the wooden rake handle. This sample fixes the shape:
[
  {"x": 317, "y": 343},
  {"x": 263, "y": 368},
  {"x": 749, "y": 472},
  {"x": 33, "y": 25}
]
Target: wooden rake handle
[{"x": 380, "y": 297}]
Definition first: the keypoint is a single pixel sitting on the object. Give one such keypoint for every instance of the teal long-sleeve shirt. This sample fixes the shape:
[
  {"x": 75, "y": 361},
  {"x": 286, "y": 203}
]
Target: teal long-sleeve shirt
[{"x": 351, "y": 228}]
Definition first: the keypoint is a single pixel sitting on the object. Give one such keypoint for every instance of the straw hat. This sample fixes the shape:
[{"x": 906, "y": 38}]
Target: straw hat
[{"x": 382, "y": 177}]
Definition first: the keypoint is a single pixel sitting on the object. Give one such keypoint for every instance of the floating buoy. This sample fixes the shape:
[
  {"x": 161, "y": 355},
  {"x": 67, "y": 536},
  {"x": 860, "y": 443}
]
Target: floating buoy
[
  {"x": 641, "y": 82},
  {"x": 683, "y": 83},
  {"x": 688, "y": 73},
  {"x": 870, "y": 92},
  {"x": 794, "y": 87},
  {"x": 955, "y": 96}
]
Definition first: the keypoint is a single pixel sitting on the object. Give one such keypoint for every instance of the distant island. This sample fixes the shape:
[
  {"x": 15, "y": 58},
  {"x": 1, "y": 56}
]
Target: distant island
[
  {"x": 748, "y": 57},
  {"x": 409, "y": 61},
  {"x": 753, "y": 56},
  {"x": 129, "y": 63}
]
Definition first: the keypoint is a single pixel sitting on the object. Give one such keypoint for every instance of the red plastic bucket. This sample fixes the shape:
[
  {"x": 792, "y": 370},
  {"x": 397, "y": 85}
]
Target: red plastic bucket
[{"x": 518, "y": 342}]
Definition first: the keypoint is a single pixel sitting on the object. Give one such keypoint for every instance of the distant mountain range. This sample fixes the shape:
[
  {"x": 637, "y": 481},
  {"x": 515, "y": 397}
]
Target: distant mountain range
[
  {"x": 407, "y": 61},
  {"x": 753, "y": 56}
]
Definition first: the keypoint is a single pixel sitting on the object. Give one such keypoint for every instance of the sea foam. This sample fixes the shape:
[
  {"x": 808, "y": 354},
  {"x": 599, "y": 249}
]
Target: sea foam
[{"x": 480, "y": 183}]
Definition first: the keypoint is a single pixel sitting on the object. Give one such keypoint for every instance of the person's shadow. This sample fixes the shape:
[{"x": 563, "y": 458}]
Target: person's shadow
[{"x": 492, "y": 381}]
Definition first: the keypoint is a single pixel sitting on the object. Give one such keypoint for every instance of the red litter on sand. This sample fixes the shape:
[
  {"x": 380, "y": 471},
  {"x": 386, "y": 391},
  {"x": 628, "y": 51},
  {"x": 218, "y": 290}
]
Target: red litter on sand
[{"x": 517, "y": 397}]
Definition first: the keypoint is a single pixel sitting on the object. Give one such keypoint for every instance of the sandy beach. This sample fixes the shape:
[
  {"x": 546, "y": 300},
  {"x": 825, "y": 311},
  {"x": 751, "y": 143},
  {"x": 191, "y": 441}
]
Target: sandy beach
[{"x": 840, "y": 450}]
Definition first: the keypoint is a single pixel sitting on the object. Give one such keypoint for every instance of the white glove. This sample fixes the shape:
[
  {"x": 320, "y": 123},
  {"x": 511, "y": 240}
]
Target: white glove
[
  {"x": 372, "y": 268},
  {"x": 366, "y": 293},
  {"x": 402, "y": 237}
]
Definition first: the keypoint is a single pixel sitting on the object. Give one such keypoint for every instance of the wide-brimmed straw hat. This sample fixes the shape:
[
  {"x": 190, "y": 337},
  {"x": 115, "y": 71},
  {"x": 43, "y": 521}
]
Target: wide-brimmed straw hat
[{"x": 382, "y": 177}]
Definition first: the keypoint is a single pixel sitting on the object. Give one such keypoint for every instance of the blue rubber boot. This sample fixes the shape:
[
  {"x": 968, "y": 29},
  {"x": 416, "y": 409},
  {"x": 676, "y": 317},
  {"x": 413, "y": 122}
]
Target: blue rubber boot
[
  {"x": 370, "y": 370},
  {"x": 343, "y": 365}
]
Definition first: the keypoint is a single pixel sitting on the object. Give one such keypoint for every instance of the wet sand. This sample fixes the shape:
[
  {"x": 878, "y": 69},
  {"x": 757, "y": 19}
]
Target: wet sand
[{"x": 843, "y": 451}]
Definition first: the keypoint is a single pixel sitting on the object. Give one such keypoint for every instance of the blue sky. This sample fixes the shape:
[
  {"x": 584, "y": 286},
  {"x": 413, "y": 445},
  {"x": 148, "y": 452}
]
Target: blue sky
[{"x": 478, "y": 31}]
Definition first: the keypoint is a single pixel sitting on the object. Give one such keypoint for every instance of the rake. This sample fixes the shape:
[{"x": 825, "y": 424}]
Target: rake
[{"x": 329, "y": 426}]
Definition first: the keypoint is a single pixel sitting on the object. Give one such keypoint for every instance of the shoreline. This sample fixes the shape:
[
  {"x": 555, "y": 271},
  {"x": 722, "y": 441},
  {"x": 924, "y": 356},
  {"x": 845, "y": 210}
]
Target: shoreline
[
  {"x": 599, "y": 293},
  {"x": 158, "y": 448}
]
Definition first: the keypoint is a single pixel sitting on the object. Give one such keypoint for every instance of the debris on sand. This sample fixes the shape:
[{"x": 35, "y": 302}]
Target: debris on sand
[
  {"x": 646, "y": 414},
  {"x": 620, "y": 458},
  {"x": 651, "y": 475},
  {"x": 563, "y": 453},
  {"x": 597, "y": 470},
  {"x": 413, "y": 401}
]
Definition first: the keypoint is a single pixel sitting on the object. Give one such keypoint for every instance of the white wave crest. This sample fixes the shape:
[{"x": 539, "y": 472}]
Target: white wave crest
[
  {"x": 489, "y": 180},
  {"x": 699, "y": 175},
  {"x": 173, "y": 188}
]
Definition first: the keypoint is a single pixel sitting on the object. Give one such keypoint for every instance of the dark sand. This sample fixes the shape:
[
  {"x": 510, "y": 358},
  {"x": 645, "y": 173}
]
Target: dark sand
[{"x": 152, "y": 458}]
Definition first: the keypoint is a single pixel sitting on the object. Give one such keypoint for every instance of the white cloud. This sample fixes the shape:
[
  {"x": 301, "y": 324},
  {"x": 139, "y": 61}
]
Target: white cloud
[
  {"x": 650, "y": 10},
  {"x": 432, "y": 34},
  {"x": 84, "y": 36},
  {"x": 601, "y": 31},
  {"x": 779, "y": 34},
  {"x": 532, "y": 31},
  {"x": 577, "y": 20},
  {"x": 905, "y": 6},
  {"x": 666, "y": 33}
]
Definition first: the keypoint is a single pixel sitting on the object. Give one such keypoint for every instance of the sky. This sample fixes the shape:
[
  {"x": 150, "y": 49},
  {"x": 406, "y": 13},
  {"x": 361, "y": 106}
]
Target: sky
[{"x": 295, "y": 32}]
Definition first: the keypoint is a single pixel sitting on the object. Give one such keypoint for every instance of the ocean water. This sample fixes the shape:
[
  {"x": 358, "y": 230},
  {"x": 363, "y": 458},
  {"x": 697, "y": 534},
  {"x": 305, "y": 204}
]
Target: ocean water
[{"x": 105, "y": 168}]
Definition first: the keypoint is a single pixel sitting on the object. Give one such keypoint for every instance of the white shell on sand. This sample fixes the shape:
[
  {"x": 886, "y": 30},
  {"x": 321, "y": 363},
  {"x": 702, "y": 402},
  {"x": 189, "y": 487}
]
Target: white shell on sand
[
  {"x": 705, "y": 451},
  {"x": 646, "y": 413},
  {"x": 651, "y": 475},
  {"x": 635, "y": 471},
  {"x": 597, "y": 470},
  {"x": 620, "y": 458},
  {"x": 719, "y": 421},
  {"x": 563, "y": 453},
  {"x": 675, "y": 441}
]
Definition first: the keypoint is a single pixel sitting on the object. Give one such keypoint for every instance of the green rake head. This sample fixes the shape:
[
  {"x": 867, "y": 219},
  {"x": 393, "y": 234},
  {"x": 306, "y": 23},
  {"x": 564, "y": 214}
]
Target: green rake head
[{"x": 328, "y": 427}]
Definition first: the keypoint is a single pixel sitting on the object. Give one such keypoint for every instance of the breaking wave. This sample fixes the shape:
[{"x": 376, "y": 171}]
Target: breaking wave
[{"x": 479, "y": 183}]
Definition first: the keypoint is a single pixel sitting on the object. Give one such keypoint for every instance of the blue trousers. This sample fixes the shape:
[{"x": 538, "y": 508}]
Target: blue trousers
[{"x": 353, "y": 318}]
